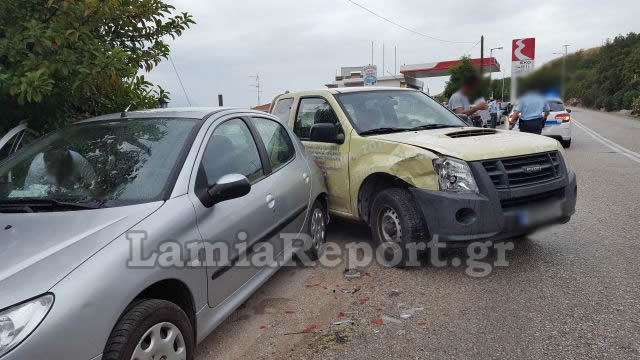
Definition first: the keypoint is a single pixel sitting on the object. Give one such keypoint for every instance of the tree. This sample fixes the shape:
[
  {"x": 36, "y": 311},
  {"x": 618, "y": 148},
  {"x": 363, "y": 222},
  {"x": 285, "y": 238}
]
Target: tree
[
  {"x": 461, "y": 71},
  {"x": 63, "y": 60}
]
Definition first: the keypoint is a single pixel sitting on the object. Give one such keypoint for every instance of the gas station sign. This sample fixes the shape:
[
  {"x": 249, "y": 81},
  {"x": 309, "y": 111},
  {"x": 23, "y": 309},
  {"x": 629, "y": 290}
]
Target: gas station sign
[{"x": 523, "y": 56}]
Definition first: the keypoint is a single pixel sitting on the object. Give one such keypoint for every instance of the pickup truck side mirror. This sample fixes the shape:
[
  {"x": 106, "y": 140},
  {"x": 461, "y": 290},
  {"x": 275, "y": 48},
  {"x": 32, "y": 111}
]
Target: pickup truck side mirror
[
  {"x": 327, "y": 133},
  {"x": 228, "y": 187},
  {"x": 568, "y": 111}
]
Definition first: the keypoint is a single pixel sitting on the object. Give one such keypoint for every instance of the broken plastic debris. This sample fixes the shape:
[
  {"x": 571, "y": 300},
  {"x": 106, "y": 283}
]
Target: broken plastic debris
[
  {"x": 309, "y": 329},
  {"x": 352, "y": 273},
  {"x": 377, "y": 321},
  {"x": 405, "y": 314},
  {"x": 345, "y": 321},
  {"x": 422, "y": 325},
  {"x": 290, "y": 312},
  {"x": 311, "y": 285},
  {"x": 392, "y": 321}
]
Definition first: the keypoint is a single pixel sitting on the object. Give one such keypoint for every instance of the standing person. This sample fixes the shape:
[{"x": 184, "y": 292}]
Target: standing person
[
  {"x": 532, "y": 110},
  {"x": 459, "y": 101},
  {"x": 494, "y": 110}
]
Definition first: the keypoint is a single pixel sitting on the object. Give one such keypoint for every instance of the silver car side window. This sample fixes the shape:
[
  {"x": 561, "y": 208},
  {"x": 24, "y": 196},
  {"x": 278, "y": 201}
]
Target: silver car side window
[{"x": 231, "y": 150}]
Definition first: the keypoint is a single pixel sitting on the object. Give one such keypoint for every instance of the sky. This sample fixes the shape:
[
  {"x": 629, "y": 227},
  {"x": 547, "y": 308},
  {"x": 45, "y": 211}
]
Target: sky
[{"x": 301, "y": 44}]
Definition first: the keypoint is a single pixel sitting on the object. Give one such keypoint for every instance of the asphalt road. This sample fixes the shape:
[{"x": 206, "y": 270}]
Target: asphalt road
[{"x": 571, "y": 291}]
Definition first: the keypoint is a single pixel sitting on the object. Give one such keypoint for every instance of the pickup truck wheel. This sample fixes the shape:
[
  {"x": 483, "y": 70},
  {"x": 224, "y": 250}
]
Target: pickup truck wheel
[
  {"x": 151, "y": 329},
  {"x": 566, "y": 143},
  {"x": 398, "y": 224}
]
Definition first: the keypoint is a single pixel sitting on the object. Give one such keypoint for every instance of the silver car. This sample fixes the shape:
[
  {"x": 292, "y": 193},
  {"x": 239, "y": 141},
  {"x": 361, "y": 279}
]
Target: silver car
[{"x": 132, "y": 236}]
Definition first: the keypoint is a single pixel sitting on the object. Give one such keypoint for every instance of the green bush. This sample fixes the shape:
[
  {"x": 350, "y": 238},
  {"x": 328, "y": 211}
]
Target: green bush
[
  {"x": 628, "y": 98},
  {"x": 635, "y": 106}
]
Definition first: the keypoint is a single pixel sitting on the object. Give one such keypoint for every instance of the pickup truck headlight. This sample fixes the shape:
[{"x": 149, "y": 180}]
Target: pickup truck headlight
[
  {"x": 18, "y": 322},
  {"x": 454, "y": 175}
]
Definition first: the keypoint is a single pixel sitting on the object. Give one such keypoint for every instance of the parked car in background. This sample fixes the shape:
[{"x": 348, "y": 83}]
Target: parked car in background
[
  {"x": 72, "y": 202},
  {"x": 14, "y": 140},
  {"x": 558, "y": 124},
  {"x": 410, "y": 168}
]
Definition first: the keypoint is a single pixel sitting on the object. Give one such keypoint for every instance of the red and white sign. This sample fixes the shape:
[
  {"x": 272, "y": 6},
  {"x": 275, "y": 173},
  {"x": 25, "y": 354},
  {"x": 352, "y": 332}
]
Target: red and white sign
[{"x": 523, "y": 54}]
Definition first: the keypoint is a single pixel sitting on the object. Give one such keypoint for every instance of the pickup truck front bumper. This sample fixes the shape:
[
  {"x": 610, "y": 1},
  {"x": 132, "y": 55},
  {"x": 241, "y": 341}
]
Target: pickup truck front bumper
[{"x": 497, "y": 212}]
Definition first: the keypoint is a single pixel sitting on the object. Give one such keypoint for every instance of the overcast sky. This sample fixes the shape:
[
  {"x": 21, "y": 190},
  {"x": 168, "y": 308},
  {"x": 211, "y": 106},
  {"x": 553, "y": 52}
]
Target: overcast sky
[{"x": 300, "y": 44}]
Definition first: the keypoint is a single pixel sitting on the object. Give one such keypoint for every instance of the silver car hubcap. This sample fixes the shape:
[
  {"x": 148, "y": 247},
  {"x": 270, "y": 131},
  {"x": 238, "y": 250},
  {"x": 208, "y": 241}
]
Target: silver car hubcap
[
  {"x": 163, "y": 341},
  {"x": 318, "y": 230},
  {"x": 390, "y": 226}
]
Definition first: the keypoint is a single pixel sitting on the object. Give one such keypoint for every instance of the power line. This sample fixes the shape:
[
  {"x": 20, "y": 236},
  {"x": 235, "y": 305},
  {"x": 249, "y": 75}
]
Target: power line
[
  {"x": 406, "y": 28},
  {"x": 180, "y": 80},
  {"x": 469, "y": 51}
]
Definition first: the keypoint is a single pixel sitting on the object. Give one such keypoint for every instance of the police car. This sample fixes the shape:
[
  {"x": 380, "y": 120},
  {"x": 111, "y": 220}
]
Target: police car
[{"x": 558, "y": 124}]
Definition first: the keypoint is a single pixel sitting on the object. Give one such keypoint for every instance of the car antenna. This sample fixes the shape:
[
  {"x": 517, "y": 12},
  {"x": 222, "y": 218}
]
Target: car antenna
[{"x": 124, "y": 113}]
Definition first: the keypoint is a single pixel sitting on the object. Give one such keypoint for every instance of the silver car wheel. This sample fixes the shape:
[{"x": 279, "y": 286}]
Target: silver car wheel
[
  {"x": 318, "y": 228},
  {"x": 163, "y": 341},
  {"x": 390, "y": 227}
]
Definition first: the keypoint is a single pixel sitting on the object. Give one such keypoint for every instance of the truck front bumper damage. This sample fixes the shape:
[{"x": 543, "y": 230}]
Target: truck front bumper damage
[{"x": 459, "y": 218}]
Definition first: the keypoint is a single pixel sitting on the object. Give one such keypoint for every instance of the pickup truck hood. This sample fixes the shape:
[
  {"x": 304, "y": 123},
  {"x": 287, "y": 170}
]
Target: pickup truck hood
[
  {"x": 37, "y": 250},
  {"x": 472, "y": 144}
]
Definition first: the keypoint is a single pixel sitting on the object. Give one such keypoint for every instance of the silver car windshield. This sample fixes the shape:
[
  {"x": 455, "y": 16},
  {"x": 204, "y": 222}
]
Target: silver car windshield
[
  {"x": 395, "y": 110},
  {"x": 105, "y": 162}
]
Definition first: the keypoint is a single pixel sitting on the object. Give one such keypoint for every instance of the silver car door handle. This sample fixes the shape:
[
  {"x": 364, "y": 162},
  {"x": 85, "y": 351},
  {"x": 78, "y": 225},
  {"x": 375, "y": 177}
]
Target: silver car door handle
[
  {"x": 305, "y": 176},
  {"x": 271, "y": 201}
]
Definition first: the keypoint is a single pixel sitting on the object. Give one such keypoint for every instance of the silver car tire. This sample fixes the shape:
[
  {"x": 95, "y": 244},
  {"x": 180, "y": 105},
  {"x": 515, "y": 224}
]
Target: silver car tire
[
  {"x": 317, "y": 230},
  {"x": 151, "y": 329}
]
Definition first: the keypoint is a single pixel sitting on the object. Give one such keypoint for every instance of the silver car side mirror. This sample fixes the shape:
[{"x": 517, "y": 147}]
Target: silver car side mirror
[{"x": 229, "y": 187}]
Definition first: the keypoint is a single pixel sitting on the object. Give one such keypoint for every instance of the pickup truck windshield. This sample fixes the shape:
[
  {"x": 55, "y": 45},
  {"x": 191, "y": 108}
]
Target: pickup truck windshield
[
  {"x": 393, "y": 110},
  {"x": 95, "y": 164}
]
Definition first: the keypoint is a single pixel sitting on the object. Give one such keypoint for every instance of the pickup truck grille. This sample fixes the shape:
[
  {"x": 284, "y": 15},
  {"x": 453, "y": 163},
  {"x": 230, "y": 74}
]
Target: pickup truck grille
[{"x": 523, "y": 170}]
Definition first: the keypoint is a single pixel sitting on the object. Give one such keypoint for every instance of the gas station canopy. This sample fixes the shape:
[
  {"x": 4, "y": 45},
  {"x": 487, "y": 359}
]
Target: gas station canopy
[{"x": 442, "y": 68}]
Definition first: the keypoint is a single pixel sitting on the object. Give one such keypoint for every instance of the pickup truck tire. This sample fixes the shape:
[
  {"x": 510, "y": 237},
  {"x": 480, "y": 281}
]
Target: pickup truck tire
[
  {"x": 159, "y": 325},
  {"x": 566, "y": 143},
  {"x": 396, "y": 218}
]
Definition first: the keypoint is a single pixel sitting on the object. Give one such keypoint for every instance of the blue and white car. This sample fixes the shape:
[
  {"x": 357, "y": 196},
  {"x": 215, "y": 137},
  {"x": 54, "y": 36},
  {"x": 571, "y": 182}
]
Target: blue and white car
[{"x": 558, "y": 124}]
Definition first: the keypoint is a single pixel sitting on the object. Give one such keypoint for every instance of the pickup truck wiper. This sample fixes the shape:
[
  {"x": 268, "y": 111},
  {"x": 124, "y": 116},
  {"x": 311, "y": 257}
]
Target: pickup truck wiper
[
  {"x": 434, "y": 126},
  {"x": 34, "y": 205},
  {"x": 383, "y": 130}
]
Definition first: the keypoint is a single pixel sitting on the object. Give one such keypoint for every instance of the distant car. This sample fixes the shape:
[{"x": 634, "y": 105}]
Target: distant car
[
  {"x": 558, "y": 124},
  {"x": 70, "y": 286},
  {"x": 14, "y": 140}
]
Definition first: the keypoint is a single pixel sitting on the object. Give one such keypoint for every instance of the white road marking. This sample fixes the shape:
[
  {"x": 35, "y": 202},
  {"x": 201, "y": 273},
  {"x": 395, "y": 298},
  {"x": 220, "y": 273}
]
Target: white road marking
[{"x": 608, "y": 143}]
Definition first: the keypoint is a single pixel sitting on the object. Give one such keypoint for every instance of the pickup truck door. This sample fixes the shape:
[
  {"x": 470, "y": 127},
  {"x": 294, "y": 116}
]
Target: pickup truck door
[{"x": 331, "y": 158}]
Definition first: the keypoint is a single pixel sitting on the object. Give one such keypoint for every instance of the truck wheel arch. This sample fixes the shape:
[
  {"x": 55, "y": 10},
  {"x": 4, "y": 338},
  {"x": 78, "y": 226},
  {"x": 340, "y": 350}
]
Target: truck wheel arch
[{"x": 373, "y": 184}]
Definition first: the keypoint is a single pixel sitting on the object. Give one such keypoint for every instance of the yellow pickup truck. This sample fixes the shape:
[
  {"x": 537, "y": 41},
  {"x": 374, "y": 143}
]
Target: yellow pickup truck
[{"x": 408, "y": 167}]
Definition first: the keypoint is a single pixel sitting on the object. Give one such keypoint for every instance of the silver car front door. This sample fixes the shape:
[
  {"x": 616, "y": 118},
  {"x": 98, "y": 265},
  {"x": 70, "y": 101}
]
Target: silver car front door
[{"x": 229, "y": 228}]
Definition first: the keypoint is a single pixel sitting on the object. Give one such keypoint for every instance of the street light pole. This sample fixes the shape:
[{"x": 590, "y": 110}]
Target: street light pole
[{"x": 491, "y": 66}]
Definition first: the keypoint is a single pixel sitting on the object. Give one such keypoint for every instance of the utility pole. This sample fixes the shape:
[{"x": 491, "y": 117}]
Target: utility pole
[
  {"x": 382, "y": 59},
  {"x": 395, "y": 59},
  {"x": 491, "y": 67},
  {"x": 481, "y": 55},
  {"x": 564, "y": 71},
  {"x": 257, "y": 86},
  {"x": 371, "y": 52}
]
